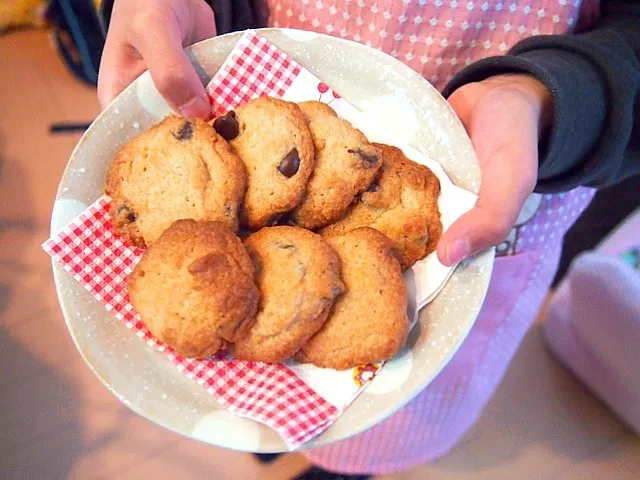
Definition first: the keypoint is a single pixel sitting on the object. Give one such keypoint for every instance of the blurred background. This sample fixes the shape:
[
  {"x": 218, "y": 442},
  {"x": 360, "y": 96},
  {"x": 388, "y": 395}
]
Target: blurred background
[{"x": 58, "y": 422}]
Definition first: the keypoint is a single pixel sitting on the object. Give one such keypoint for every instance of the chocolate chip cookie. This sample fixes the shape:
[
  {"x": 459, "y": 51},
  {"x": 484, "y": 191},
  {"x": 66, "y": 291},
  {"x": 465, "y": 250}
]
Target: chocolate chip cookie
[
  {"x": 298, "y": 275},
  {"x": 177, "y": 169},
  {"x": 273, "y": 140},
  {"x": 346, "y": 165},
  {"x": 402, "y": 203},
  {"x": 369, "y": 321},
  {"x": 194, "y": 288}
]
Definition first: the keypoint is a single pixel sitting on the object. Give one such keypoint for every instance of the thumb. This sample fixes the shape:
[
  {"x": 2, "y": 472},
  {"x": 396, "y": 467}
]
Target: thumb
[
  {"x": 503, "y": 127},
  {"x": 171, "y": 71}
]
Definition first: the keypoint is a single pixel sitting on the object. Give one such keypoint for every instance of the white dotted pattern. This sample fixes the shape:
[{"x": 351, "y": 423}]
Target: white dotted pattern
[{"x": 413, "y": 29}]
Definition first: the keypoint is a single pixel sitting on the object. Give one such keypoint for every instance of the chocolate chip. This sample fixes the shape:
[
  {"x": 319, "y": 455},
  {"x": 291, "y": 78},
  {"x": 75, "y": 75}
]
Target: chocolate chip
[
  {"x": 290, "y": 164},
  {"x": 185, "y": 132},
  {"x": 227, "y": 126},
  {"x": 368, "y": 159},
  {"x": 127, "y": 213}
]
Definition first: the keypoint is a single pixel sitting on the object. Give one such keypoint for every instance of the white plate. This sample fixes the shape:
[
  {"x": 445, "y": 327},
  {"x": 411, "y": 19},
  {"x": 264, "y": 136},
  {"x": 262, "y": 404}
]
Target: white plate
[{"x": 144, "y": 379}]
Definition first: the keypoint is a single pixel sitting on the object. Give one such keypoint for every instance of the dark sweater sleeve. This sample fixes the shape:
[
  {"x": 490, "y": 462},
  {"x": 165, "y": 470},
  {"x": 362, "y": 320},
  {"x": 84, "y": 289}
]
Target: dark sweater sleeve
[
  {"x": 233, "y": 15},
  {"x": 594, "y": 79}
]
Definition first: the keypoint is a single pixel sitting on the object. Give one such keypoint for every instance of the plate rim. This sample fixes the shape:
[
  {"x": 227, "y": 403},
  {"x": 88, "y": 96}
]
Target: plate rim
[{"x": 485, "y": 258}]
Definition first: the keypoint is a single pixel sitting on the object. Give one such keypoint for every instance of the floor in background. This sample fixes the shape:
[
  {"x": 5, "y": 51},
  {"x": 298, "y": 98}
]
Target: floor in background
[{"x": 58, "y": 422}]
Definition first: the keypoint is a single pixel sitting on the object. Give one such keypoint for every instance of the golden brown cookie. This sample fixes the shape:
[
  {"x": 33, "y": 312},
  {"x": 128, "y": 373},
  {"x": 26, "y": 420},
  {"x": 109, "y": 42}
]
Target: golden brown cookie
[
  {"x": 177, "y": 169},
  {"x": 346, "y": 165},
  {"x": 402, "y": 203},
  {"x": 194, "y": 288},
  {"x": 273, "y": 140},
  {"x": 369, "y": 321},
  {"x": 298, "y": 275}
]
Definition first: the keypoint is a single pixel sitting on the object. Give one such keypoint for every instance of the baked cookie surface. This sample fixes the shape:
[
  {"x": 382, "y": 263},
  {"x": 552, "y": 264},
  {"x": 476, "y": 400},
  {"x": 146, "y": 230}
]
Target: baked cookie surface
[
  {"x": 194, "y": 288},
  {"x": 298, "y": 275},
  {"x": 346, "y": 164},
  {"x": 274, "y": 142},
  {"x": 369, "y": 321},
  {"x": 402, "y": 203},
  {"x": 177, "y": 169}
]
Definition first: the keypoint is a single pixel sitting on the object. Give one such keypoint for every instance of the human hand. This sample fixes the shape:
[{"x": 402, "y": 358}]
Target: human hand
[
  {"x": 504, "y": 116},
  {"x": 151, "y": 34}
]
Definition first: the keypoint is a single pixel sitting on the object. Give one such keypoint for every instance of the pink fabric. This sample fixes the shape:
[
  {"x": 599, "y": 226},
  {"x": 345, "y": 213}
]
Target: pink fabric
[
  {"x": 593, "y": 328},
  {"x": 437, "y": 38},
  {"x": 593, "y": 322},
  {"x": 434, "y": 37}
]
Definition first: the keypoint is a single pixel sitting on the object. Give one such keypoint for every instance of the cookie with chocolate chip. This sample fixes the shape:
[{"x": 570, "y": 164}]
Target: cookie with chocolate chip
[
  {"x": 298, "y": 275},
  {"x": 402, "y": 203},
  {"x": 272, "y": 138},
  {"x": 194, "y": 288},
  {"x": 179, "y": 168},
  {"x": 346, "y": 165},
  {"x": 369, "y": 321}
]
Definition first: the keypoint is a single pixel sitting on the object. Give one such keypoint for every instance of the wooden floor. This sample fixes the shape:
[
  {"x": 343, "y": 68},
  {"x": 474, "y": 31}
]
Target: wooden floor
[{"x": 58, "y": 422}]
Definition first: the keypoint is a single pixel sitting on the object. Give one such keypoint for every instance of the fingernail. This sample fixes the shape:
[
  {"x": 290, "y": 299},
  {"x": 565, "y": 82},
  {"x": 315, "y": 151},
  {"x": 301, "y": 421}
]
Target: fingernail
[
  {"x": 196, "y": 107},
  {"x": 458, "y": 251}
]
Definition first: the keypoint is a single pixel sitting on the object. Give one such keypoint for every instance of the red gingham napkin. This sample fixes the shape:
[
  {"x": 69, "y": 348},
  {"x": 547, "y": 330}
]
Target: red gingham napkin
[
  {"x": 271, "y": 394},
  {"x": 253, "y": 69},
  {"x": 97, "y": 258}
]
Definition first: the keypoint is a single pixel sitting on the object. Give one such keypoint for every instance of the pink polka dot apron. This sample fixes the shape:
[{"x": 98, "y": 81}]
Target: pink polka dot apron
[{"x": 437, "y": 38}]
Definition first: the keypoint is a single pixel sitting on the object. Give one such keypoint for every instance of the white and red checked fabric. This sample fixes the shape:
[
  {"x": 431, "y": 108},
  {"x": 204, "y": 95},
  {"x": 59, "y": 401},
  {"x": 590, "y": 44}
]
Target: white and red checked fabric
[
  {"x": 254, "y": 68},
  {"x": 272, "y": 394},
  {"x": 98, "y": 259}
]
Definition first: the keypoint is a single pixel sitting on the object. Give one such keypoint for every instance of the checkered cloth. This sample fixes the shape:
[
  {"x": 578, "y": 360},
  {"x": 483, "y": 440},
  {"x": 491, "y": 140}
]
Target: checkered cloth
[
  {"x": 89, "y": 250},
  {"x": 254, "y": 68}
]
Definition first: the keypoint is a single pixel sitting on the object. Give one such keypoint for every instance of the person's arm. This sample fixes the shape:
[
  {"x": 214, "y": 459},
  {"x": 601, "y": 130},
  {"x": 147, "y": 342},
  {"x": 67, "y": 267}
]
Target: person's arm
[{"x": 594, "y": 80}]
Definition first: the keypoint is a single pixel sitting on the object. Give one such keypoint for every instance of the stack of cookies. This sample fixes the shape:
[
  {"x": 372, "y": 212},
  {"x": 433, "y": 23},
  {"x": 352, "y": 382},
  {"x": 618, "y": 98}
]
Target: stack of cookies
[{"x": 277, "y": 231}]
